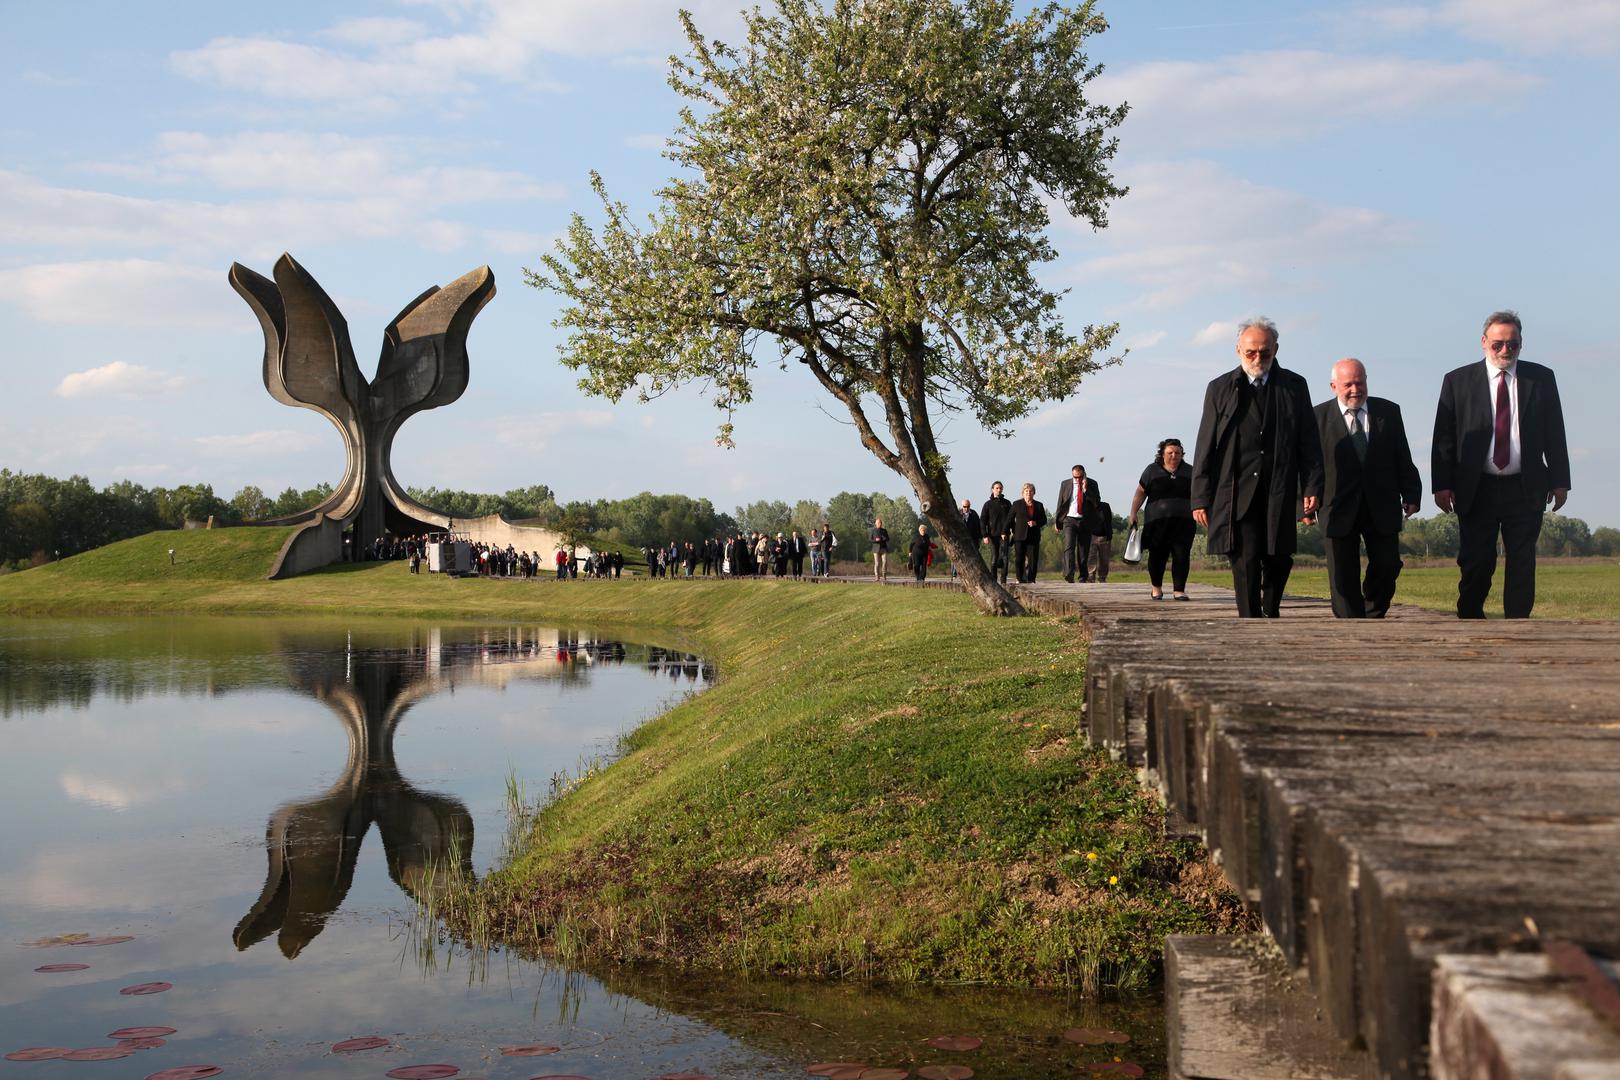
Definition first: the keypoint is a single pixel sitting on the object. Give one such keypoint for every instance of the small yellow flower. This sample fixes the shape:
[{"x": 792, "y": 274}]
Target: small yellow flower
[
  {"x": 1091, "y": 856},
  {"x": 1113, "y": 879}
]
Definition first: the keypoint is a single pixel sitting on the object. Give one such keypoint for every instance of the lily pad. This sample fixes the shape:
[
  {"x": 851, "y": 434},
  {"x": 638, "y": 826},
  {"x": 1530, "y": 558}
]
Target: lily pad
[
  {"x": 38, "y": 1053},
  {"x": 52, "y": 969},
  {"x": 529, "y": 1050},
  {"x": 1095, "y": 1036},
  {"x": 827, "y": 1068},
  {"x": 1116, "y": 1068},
  {"x": 97, "y": 1053},
  {"x": 58, "y": 939},
  {"x": 956, "y": 1042},
  {"x": 187, "y": 1072},
  {"x": 422, "y": 1072},
  {"x": 945, "y": 1072},
  {"x": 140, "y": 1032},
  {"x": 117, "y": 939},
  {"x": 364, "y": 1042},
  {"x": 885, "y": 1074},
  {"x": 147, "y": 1043},
  {"x": 142, "y": 989}
]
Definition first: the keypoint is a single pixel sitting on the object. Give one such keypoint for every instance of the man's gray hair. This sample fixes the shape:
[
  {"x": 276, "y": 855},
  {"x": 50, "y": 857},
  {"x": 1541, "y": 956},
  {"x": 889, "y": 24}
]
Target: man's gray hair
[
  {"x": 1506, "y": 318},
  {"x": 1259, "y": 322}
]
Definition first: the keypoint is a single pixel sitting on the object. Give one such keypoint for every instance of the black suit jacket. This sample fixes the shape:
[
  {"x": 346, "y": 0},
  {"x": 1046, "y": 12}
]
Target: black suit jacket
[
  {"x": 1091, "y": 520},
  {"x": 1466, "y": 420},
  {"x": 1020, "y": 520},
  {"x": 1296, "y": 467},
  {"x": 1387, "y": 479}
]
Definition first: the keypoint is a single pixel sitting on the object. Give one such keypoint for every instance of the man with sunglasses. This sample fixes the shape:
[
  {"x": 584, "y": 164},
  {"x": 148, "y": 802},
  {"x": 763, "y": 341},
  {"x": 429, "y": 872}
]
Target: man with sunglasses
[{"x": 1499, "y": 459}]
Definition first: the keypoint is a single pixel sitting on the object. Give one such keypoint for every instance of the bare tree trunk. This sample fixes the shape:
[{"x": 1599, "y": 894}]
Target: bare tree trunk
[{"x": 991, "y": 595}]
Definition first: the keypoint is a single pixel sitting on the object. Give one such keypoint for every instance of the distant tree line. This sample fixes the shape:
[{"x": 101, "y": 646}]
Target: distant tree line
[{"x": 42, "y": 517}]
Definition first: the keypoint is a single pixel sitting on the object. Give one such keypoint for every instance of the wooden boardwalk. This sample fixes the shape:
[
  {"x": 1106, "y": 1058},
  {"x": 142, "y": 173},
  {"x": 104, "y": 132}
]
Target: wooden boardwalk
[{"x": 1401, "y": 800}]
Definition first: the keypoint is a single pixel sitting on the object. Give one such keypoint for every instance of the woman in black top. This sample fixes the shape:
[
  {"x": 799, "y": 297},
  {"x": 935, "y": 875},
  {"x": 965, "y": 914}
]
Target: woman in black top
[
  {"x": 1028, "y": 519},
  {"x": 1167, "y": 527},
  {"x": 919, "y": 552}
]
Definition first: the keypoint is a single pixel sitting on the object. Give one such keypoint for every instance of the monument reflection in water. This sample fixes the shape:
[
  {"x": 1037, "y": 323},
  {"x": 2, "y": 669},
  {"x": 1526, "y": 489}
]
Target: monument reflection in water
[{"x": 427, "y": 836}]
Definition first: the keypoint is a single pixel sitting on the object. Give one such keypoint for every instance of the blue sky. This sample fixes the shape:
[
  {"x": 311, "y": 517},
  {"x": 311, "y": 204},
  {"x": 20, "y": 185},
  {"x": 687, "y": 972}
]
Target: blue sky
[{"x": 1375, "y": 178}]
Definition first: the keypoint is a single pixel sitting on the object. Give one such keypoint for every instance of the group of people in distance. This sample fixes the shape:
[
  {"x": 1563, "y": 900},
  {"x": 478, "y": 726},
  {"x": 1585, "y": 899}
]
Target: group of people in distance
[
  {"x": 1499, "y": 458},
  {"x": 1011, "y": 531},
  {"x": 748, "y": 553}
]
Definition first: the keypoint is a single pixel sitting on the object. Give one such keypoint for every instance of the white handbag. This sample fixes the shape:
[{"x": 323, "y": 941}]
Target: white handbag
[{"x": 1133, "y": 545}]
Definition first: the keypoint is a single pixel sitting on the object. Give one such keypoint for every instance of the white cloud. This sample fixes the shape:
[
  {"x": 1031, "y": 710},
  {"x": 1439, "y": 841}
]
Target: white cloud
[
  {"x": 1192, "y": 227},
  {"x": 1540, "y": 26},
  {"x": 257, "y": 443},
  {"x": 118, "y": 379},
  {"x": 121, "y": 792},
  {"x": 537, "y": 432},
  {"x": 1145, "y": 340},
  {"x": 383, "y": 62},
  {"x": 309, "y": 163},
  {"x": 517, "y": 242},
  {"x": 1216, "y": 332},
  {"x": 1272, "y": 95},
  {"x": 1052, "y": 414},
  {"x": 121, "y": 292}
]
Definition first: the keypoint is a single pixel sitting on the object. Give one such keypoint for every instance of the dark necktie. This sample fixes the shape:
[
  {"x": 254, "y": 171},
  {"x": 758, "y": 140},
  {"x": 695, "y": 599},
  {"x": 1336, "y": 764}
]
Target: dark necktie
[
  {"x": 1504, "y": 424},
  {"x": 1357, "y": 435}
]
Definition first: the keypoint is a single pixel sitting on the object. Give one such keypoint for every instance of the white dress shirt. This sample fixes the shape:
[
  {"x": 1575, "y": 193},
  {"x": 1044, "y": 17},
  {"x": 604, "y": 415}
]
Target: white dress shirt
[{"x": 1494, "y": 376}]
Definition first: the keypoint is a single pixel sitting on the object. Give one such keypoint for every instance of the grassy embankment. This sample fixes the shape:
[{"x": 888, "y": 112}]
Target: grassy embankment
[{"x": 883, "y": 783}]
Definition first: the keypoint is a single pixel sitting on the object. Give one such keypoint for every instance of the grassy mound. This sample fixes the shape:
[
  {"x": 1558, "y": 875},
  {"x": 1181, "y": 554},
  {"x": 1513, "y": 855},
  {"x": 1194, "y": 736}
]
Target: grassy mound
[
  {"x": 137, "y": 574},
  {"x": 884, "y": 784}
]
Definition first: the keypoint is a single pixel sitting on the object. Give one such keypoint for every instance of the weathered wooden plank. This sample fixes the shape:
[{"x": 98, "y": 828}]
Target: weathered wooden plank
[
  {"x": 1511, "y": 1017},
  {"x": 1233, "y": 1013},
  {"x": 1331, "y": 874}
]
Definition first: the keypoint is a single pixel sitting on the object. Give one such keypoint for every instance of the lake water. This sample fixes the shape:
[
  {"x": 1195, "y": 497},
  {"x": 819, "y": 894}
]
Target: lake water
[{"x": 256, "y": 803}]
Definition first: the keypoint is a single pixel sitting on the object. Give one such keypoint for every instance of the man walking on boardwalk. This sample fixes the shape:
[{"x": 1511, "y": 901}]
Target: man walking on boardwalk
[
  {"x": 1258, "y": 446},
  {"x": 995, "y": 519},
  {"x": 1371, "y": 488},
  {"x": 1499, "y": 460},
  {"x": 1076, "y": 520}
]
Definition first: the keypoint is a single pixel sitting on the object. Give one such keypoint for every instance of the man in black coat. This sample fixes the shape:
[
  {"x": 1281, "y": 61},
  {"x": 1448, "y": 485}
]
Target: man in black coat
[
  {"x": 1077, "y": 519},
  {"x": 1499, "y": 459},
  {"x": 970, "y": 522},
  {"x": 1258, "y": 446},
  {"x": 995, "y": 521},
  {"x": 1102, "y": 543},
  {"x": 1372, "y": 488}
]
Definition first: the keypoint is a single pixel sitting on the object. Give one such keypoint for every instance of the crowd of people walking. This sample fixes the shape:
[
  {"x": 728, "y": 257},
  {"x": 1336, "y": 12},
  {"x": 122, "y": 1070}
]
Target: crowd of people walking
[{"x": 1266, "y": 459}]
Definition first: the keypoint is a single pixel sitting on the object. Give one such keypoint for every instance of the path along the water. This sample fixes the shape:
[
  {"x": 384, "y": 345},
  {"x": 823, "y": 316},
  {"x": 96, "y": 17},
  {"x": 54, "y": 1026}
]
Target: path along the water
[{"x": 1425, "y": 812}]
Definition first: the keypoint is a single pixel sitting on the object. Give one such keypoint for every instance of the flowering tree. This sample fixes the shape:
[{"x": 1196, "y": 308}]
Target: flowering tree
[{"x": 865, "y": 191}]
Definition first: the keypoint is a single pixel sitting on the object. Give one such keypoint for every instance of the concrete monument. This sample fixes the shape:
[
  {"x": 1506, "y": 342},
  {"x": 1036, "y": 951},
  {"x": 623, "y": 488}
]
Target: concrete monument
[{"x": 309, "y": 363}]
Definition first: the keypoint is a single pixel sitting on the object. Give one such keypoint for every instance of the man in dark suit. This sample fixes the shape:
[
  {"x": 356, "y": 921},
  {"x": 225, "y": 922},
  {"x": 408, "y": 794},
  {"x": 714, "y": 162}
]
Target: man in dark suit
[
  {"x": 1076, "y": 520},
  {"x": 1499, "y": 459},
  {"x": 1258, "y": 447},
  {"x": 1372, "y": 487}
]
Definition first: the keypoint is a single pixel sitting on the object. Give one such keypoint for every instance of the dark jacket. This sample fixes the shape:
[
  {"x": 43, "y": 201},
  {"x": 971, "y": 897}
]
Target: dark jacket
[
  {"x": 1294, "y": 448},
  {"x": 919, "y": 550},
  {"x": 880, "y": 539},
  {"x": 1090, "y": 520},
  {"x": 1387, "y": 479},
  {"x": 995, "y": 517},
  {"x": 1105, "y": 522},
  {"x": 1021, "y": 527},
  {"x": 970, "y": 521},
  {"x": 1465, "y": 421}
]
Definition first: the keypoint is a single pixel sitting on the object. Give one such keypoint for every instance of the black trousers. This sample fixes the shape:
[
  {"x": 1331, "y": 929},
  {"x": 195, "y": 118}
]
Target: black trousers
[
  {"x": 1502, "y": 507},
  {"x": 1257, "y": 578},
  {"x": 1000, "y": 556},
  {"x": 1029, "y": 555},
  {"x": 1076, "y": 547},
  {"x": 1354, "y": 598}
]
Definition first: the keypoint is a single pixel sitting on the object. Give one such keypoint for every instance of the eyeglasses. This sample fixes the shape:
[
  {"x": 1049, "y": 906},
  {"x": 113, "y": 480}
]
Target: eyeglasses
[
  {"x": 1256, "y": 354},
  {"x": 1505, "y": 346}
]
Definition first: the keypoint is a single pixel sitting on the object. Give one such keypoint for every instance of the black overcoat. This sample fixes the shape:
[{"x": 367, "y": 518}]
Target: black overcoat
[{"x": 1295, "y": 450}]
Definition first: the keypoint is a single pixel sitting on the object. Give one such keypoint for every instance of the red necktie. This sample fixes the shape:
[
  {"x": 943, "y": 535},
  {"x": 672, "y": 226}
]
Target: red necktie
[{"x": 1504, "y": 424}]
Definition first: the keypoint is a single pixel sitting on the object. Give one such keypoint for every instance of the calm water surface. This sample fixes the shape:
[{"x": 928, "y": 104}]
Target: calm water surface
[{"x": 257, "y": 802}]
